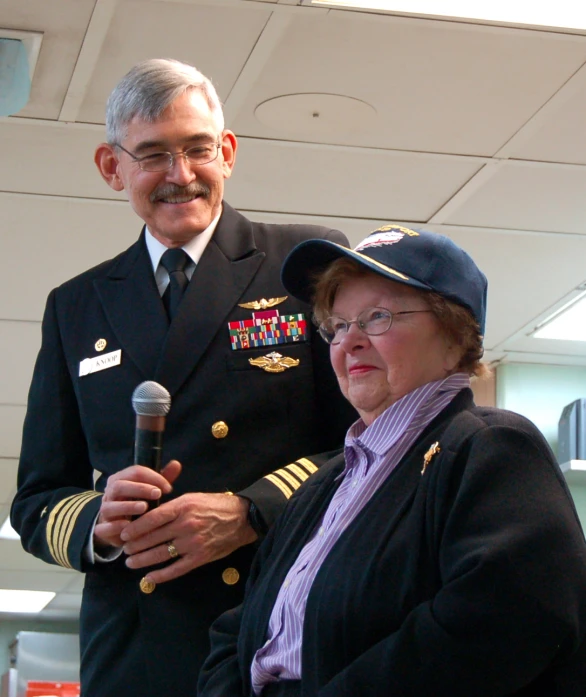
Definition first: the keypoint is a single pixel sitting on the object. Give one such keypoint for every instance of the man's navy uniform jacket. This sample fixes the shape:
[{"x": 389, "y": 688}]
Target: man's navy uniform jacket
[{"x": 78, "y": 427}]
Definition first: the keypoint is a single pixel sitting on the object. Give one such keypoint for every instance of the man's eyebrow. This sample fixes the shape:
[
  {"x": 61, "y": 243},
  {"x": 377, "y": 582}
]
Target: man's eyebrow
[
  {"x": 149, "y": 145},
  {"x": 161, "y": 146}
]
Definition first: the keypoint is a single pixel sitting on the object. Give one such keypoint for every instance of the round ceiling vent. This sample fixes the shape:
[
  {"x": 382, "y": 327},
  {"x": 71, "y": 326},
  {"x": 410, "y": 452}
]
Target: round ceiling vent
[{"x": 316, "y": 114}]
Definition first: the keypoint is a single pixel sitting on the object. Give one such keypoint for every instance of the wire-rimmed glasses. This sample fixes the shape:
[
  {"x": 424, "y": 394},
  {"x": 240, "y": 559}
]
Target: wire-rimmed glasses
[
  {"x": 372, "y": 321},
  {"x": 162, "y": 161}
]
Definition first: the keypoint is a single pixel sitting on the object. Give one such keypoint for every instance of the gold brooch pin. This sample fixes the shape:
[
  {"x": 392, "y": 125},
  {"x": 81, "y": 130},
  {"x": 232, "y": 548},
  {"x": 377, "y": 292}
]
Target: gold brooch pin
[
  {"x": 263, "y": 303},
  {"x": 274, "y": 363},
  {"x": 433, "y": 450}
]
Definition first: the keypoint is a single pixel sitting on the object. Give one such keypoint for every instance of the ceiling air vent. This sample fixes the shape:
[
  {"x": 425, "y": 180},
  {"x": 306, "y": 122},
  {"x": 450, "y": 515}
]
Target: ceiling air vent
[{"x": 19, "y": 51}]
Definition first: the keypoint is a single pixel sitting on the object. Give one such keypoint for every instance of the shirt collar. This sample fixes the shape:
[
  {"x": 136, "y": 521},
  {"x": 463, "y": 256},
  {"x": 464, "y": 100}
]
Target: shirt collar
[{"x": 413, "y": 411}]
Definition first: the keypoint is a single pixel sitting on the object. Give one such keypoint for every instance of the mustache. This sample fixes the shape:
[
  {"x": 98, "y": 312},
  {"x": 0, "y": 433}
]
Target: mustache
[{"x": 166, "y": 190}]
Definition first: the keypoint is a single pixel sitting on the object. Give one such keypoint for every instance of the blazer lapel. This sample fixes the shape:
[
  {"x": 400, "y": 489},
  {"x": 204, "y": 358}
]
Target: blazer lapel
[
  {"x": 400, "y": 487},
  {"x": 226, "y": 268},
  {"x": 134, "y": 309}
]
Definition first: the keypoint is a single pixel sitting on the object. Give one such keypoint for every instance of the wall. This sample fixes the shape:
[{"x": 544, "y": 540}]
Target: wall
[
  {"x": 10, "y": 628},
  {"x": 540, "y": 392}
]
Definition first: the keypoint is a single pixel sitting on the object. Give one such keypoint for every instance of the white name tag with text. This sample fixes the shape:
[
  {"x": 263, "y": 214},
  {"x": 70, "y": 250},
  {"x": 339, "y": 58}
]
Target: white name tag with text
[{"x": 93, "y": 365}]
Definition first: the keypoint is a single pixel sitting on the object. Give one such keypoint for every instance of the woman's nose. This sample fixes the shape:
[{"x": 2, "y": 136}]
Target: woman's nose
[{"x": 353, "y": 338}]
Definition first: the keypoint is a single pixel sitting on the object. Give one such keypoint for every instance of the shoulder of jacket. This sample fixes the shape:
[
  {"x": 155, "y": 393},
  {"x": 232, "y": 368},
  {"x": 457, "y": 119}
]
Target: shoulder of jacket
[
  {"x": 470, "y": 422},
  {"x": 296, "y": 232},
  {"x": 101, "y": 270}
]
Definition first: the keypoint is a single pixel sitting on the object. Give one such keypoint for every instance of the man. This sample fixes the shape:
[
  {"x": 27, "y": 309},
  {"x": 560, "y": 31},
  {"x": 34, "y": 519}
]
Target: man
[{"x": 208, "y": 327}]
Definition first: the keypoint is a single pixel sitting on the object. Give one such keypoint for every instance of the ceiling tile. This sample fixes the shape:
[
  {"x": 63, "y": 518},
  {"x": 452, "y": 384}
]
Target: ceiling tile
[
  {"x": 19, "y": 344},
  {"x": 11, "y": 420},
  {"x": 63, "y": 34},
  {"x": 561, "y": 137},
  {"x": 344, "y": 182},
  {"x": 527, "y": 273},
  {"x": 188, "y": 32},
  {"x": 59, "y": 238},
  {"x": 52, "y": 159},
  {"x": 8, "y": 468},
  {"x": 437, "y": 86},
  {"x": 528, "y": 196}
]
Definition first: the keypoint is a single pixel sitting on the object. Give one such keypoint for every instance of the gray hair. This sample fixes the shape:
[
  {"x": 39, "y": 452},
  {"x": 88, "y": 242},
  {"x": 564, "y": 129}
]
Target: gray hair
[{"x": 148, "y": 89}]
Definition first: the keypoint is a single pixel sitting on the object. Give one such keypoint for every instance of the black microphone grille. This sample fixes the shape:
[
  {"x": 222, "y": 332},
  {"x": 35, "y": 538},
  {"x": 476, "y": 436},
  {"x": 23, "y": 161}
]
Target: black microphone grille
[{"x": 151, "y": 399}]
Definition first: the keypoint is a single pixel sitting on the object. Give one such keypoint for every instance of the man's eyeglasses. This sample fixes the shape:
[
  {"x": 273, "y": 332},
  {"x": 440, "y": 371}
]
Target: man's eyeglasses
[
  {"x": 161, "y": 161},
  {"x": 372, "y": 321}
]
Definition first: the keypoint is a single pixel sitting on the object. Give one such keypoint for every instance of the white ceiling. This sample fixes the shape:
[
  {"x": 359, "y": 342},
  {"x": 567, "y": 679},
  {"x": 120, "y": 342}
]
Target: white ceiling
[{"x": 474, "y": 131}]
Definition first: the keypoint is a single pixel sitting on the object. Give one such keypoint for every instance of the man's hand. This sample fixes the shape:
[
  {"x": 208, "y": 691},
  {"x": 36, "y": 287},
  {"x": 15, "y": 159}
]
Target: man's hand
[
  {"x": 126, "y": 495},
  {"x": 201, "y": 527}
]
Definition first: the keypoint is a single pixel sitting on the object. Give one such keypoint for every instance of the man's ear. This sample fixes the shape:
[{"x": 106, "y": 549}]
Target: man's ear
[
  {"x": 229, "y": 146},
  {"x": 107, "y": 164}
]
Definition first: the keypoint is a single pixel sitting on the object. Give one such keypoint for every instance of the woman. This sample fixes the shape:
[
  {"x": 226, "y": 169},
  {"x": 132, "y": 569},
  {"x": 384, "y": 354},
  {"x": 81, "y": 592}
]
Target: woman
[{"x": 441, "y": 554}]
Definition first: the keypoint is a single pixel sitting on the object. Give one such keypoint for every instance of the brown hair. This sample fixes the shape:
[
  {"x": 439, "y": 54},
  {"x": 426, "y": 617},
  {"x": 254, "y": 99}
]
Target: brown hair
[{"x": 457, "y": 322}]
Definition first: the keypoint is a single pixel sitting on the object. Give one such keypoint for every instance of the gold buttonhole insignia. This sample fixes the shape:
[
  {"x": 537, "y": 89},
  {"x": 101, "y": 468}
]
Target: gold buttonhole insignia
[
  {"x": 220, "y": 429},
  {"x": 147, "y": 586},
  {"x": 263, "y": 303},
  {"x": 230, "y": 576},
  {"x": 100, "y": 344},
  {"x": 274, "y": 363},
  {"x": 432, "y": 452}
]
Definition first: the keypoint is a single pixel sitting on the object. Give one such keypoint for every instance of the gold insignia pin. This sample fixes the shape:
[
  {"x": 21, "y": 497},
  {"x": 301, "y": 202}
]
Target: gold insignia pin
[
  {"x": 274, "y": 363},
  {"x": 263, "y": 303},
  {"x": 100, "y": 344},
  {"x": 433, "y": 450},
  {"x": 230, "y": 576},
  {"x": 147, "y": 586}
]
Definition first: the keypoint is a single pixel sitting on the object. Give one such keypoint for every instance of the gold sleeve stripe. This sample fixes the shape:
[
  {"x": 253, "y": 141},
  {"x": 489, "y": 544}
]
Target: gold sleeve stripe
[
  {"x": 297, "y": 471},
  {"x": 288, "y": 478},
  {"x": 61, "y": 522},
  {"x": 69, "y": 516},
  {"x": 69, "y": 523},
  {"x": 59, "y": 525},
  {"x": 287, "y": 493},
  {"x": 51, "y": 522},
  {"x": 308, "y": 464}
]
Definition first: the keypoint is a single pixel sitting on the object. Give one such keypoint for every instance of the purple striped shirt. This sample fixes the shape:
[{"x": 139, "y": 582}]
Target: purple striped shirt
[{"x": 371, "y": 454}]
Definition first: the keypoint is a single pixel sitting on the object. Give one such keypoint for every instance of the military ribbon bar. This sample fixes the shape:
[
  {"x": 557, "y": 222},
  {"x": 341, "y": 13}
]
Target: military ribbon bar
[{"x": 267, "y": 329}]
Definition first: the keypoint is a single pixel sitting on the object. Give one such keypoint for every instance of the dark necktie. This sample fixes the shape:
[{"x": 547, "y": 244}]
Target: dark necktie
[{"x": 175, "y": 261}]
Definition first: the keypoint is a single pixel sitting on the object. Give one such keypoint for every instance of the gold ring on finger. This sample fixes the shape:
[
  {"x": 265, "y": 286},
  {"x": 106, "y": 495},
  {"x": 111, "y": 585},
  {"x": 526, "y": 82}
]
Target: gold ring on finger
[{"x": 172, "y": 550}]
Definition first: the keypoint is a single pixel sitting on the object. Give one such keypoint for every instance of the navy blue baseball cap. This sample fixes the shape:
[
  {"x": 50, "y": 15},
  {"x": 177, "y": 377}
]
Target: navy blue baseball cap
[{"x": 417, "y": 258}]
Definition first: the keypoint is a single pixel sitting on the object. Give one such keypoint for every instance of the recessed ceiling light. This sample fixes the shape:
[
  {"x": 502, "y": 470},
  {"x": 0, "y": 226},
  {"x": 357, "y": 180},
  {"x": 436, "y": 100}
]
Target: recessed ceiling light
[
  {"x": 7, "y": 532},
  {"x": 567, "y": 324},
  {"x": 24, "y": 601},
  {"x": 568, "y": 14}
]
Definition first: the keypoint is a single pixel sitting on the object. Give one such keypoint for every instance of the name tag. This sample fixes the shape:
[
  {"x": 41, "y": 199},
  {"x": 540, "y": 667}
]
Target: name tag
[{"x": 93, "y": 365}]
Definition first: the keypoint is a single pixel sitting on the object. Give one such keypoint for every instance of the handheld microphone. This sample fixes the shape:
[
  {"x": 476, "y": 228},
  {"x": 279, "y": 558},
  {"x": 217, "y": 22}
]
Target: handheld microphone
[{"x": 151, "y": 403}]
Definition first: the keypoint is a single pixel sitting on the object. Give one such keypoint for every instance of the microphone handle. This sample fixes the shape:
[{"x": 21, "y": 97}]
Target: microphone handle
[{"x": 148, "y": 444}]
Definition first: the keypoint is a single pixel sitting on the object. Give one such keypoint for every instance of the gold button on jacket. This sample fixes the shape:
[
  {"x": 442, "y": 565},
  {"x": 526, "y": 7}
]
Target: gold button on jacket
[
  {"x": 147, "y": 586},
  {"x": 230, "y": 576},
  {"x": 220, "y": 429}
]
